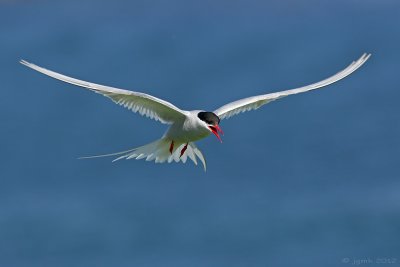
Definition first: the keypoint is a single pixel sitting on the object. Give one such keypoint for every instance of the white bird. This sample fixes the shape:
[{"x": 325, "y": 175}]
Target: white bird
[{"x": 186, "y": 127}]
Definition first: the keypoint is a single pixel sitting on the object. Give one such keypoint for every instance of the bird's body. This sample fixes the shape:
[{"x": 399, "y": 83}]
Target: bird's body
[
  {"x": 190, "y": 129},
  {"x": 186, "y": 127}
]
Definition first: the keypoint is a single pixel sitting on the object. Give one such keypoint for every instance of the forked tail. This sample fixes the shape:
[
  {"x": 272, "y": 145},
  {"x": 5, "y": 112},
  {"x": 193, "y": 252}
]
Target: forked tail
[{"x": 160, "y": 151}]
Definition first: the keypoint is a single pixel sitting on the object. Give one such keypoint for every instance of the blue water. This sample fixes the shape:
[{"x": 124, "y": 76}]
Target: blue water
[{"x": 309, "y": 180}]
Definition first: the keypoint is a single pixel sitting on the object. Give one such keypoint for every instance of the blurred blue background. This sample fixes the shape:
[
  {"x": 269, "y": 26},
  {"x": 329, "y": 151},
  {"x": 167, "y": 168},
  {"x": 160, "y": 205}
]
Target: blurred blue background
[{"x": 311, "y": 179}]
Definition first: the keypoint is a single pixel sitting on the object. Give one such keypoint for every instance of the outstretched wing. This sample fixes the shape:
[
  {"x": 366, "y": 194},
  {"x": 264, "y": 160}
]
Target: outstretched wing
[
  {"x": 145, "y": 104},
  {"x": 255, "y": 102}
]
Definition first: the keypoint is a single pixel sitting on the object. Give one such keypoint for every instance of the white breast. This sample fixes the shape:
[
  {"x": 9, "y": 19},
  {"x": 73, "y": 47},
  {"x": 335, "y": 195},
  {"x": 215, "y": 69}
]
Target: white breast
[{"x": 189, "y": 130}]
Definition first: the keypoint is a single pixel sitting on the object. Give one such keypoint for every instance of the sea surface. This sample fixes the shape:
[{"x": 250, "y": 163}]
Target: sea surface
[{"x": 308, "y": 180}]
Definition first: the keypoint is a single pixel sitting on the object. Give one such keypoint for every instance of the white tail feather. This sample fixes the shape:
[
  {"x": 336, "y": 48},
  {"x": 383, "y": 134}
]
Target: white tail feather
[
  {"x": 159, "y": 152},
  {"x": 108, "y": 155}
]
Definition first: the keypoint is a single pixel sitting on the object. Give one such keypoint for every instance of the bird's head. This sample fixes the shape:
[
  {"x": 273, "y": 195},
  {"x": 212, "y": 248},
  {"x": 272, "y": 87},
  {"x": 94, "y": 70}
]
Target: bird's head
[{"x": 211, "y": 121}]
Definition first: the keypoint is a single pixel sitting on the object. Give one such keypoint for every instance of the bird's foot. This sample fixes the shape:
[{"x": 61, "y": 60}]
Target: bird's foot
[{"x": 184, "y": 149}]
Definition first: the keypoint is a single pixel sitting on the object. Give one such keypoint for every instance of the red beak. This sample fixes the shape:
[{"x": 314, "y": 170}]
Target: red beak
[{"x": 217, "y": 130}]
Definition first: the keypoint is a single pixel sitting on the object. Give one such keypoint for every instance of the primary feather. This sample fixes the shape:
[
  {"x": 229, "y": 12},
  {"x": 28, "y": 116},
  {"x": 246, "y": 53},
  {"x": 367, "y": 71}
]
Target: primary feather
[
  {"x": 254, "y": 102},
  {"x": 142, "y": 103}
]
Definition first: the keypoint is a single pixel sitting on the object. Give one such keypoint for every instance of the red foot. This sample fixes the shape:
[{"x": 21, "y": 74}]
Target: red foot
[
  {"x": 183, "y": 150},
  {"x": 171, "y": 147}
]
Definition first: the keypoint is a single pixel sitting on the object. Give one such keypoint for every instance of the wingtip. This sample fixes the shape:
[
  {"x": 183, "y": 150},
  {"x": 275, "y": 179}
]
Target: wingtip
[
  {"x": 360, "y": 61},
  {"x": 365, "y": 56},
  {"x": 24, "y": 62}
]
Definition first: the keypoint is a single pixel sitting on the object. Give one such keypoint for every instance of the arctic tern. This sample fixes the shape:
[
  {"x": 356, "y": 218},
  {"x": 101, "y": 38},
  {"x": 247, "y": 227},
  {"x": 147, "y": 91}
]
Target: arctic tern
[{"x": 186, "y": 127}]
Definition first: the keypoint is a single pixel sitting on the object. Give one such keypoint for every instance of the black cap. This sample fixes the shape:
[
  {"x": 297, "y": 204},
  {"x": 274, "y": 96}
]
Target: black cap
[{"x": 208, "y": 117}]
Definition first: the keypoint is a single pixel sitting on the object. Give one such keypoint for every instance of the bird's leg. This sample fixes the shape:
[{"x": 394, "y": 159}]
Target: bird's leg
[
  {"x": 183, "y": 149},
  {"x": 171, "y": 147}
]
